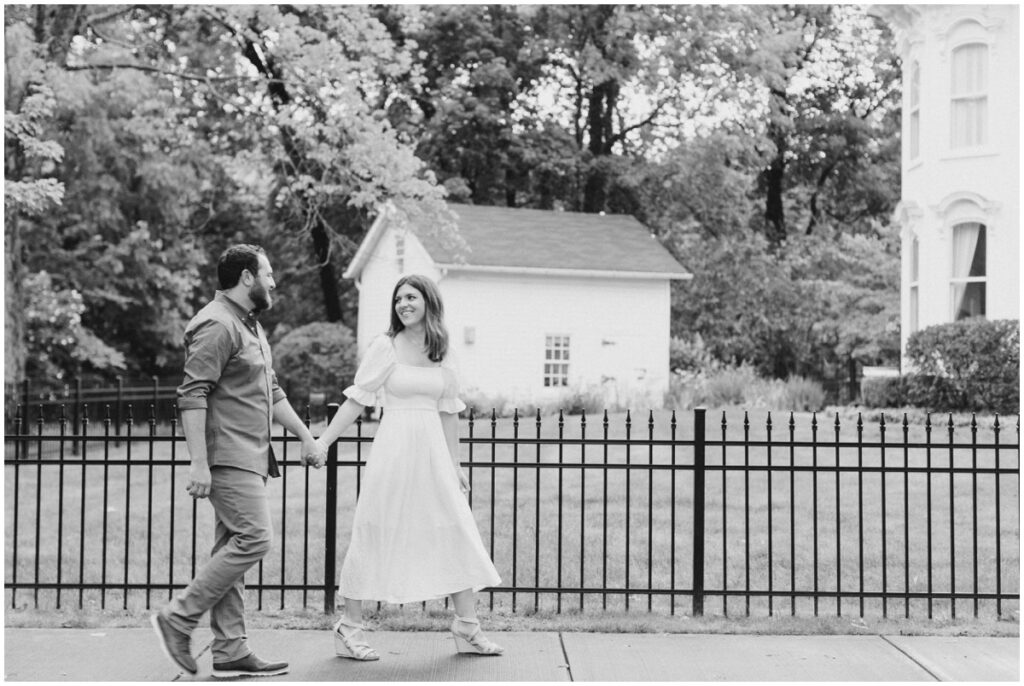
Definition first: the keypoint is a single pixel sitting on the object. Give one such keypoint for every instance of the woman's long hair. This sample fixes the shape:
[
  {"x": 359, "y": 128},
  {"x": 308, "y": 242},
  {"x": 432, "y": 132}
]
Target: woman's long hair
[{"x": 433, "y": 315}]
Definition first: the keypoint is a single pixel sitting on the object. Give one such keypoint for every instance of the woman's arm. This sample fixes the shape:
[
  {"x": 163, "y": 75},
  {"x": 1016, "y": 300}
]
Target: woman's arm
[
  {"x": 450, "y": 425},
  {"x": 346, "y": 414}
]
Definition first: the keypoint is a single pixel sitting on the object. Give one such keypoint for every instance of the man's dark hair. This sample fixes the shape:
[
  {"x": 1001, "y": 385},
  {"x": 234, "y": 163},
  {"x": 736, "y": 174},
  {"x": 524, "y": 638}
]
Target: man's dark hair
[{"x": 235, "y": 260}]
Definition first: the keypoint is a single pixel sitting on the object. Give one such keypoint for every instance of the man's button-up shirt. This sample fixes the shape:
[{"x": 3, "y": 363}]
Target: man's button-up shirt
[{"x": 229, "y": 373}]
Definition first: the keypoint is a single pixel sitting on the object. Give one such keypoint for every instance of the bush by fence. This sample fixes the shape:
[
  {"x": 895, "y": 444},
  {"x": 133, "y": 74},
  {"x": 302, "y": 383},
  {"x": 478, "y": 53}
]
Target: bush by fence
[
  {"x": 972, "y": 364},
  {"x": 316, "y": 357}
]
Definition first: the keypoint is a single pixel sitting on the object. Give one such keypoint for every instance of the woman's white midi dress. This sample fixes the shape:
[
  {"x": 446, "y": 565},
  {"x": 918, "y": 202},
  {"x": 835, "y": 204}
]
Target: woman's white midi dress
[{"x": 413, "y": 534}]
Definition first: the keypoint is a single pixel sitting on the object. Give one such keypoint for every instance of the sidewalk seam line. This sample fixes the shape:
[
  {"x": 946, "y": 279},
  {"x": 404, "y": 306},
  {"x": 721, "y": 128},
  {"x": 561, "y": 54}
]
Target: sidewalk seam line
[
  {"x": 565, "y": 654},
  {"x": 911, "y": 658}
]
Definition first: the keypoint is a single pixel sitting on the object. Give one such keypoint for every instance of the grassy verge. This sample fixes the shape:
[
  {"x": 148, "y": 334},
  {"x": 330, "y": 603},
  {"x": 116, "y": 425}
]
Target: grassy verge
[{"x": 437, "y": 619}]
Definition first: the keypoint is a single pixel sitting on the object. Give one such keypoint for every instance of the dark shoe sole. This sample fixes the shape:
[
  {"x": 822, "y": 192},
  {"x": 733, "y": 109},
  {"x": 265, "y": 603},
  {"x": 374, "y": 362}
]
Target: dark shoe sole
[
  {"x": 154, "y": 620},
  {"x": 235, "y": 673}
]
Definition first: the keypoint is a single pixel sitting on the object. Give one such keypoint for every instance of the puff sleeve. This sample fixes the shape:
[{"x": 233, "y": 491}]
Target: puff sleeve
[
  {"x": 450, "y": 401},
  {"x": 377, "y": 365}
]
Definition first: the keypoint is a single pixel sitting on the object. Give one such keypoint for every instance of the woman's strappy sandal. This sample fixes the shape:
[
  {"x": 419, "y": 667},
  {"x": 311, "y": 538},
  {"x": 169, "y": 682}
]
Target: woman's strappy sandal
[
  {"x": 473, "y": 641},
  {"x": 351, "y": 644}
]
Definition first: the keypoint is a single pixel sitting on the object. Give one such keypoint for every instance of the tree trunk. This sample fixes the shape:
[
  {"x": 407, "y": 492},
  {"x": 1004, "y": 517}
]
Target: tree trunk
[
  {"x": 600, "y": 124},
  {"x": 775, "y": 175},
  {"x": 328, "y": 278}
]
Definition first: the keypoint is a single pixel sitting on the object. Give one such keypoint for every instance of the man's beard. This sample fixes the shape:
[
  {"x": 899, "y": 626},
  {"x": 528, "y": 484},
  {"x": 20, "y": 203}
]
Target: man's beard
[{"x": 260, "y": 298}]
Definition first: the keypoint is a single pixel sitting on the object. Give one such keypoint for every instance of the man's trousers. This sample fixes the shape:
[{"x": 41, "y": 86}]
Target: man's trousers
[{"x": 242, "y": 538}]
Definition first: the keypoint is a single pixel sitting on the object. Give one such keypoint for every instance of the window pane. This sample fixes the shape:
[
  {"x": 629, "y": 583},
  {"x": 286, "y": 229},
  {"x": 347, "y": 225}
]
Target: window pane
[
  {"x": 913, "y": 309},
  {"x": 968, "y": 250},
  {"x": 915, "y": 251},
  {"x": 915, "y": 84},
  {"x": 970, "y": 69},
  {"x": 915, "y": 134},
  {"x": 968, "y": 300}
]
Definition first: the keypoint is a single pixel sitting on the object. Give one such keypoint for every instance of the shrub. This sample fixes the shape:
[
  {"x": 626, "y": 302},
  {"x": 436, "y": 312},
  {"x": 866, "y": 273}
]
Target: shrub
[
  {"x": 882, "y": 392},
  {"x": 802, "y": 394},
  {"x": 690, "y": 355},
  {"x": 730, "y": 386},
  {"x": 583, "y": 401},
  {"x": 972, "y": 364},
  {"x": 316, "y": 357}
]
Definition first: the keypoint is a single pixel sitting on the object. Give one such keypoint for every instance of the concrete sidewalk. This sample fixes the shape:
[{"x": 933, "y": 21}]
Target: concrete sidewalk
[{"x": 134, "y": 655}]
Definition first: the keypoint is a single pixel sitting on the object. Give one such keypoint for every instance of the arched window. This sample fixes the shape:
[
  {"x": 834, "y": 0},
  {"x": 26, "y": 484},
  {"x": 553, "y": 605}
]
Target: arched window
[
  {"x": 915, "y": 110},
  {"x": 967, "y": 284},
  {"x": 969, "y": 96}
]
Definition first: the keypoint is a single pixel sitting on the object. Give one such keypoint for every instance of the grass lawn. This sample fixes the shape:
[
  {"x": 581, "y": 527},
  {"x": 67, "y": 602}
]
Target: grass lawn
[{"x": 574, "y": 526}]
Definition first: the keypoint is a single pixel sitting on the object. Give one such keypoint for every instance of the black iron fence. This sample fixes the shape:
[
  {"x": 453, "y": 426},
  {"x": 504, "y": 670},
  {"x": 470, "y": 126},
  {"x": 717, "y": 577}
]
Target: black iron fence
[{"x": 582, "y": 513}]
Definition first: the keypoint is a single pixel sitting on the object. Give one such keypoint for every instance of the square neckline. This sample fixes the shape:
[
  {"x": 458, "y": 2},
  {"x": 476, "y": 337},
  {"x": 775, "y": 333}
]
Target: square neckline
[{"x": 394, "y": 350}]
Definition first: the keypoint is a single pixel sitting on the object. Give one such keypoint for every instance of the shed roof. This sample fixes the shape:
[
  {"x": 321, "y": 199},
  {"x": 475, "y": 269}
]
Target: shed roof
[{"x": 529, "y": 240}]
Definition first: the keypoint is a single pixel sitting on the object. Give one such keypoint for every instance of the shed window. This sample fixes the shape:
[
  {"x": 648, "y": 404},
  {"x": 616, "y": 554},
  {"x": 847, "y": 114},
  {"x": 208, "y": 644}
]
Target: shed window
[{"x": 556, "y": 360}]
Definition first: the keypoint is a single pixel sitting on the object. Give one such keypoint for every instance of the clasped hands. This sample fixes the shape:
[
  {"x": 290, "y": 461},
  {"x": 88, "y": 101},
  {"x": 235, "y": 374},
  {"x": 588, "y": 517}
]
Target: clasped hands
[{"x": 314, "y": 453}]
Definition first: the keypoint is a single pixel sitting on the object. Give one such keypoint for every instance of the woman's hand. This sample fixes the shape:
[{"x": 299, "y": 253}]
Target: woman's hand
[{"x": 463, "y": 481}]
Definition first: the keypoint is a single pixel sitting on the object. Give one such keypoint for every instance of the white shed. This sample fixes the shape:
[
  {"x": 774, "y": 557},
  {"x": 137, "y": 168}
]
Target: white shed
[
  {"x": 543, "y": 304},
  {"x": 959, "y": 212}
]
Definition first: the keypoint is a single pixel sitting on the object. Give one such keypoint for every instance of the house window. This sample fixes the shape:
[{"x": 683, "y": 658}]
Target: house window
[
  {"x": 556, "y": 360},
  {"x": 968, "y": 283},
  {"x": 969, "y": 114},
  {"x": 915, "y": 110},
  {"x": 914, "y": 277}
]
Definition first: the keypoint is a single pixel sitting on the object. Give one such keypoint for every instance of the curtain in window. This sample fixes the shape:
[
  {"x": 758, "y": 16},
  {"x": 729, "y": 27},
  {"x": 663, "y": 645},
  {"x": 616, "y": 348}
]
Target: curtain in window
[
  {"x": 970, "y": 97},
  {"x": 968, "y": 262}
]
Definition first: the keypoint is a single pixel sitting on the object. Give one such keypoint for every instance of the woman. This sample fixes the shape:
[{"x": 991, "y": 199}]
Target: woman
[{"x": 413, "y": 535}]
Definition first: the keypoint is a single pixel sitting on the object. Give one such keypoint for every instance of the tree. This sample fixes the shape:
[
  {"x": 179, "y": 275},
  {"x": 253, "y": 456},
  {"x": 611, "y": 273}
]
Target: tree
[
  {"x": 187, "y": 128},
  {"x": 29, "y": 188},
  {"x": 827, "y": 79},
  {"x": 808, "y": 311}
]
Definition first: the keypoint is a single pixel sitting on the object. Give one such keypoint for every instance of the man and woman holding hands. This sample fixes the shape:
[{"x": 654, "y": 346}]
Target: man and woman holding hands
[{"x": 413, "y": 534}]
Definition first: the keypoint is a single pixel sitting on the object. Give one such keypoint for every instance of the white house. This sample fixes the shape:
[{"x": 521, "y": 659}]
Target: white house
[
  {"x": 542, "y": 304},
  {"x": 960, "y": 208}
]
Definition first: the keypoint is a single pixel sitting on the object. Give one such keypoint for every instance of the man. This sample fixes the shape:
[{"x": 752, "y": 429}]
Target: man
[{"x": 227, "y": 401}]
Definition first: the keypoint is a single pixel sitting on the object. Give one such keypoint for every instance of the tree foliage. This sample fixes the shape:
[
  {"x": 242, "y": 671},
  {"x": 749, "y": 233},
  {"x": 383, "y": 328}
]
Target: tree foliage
[{"x": 759, "y": 143}]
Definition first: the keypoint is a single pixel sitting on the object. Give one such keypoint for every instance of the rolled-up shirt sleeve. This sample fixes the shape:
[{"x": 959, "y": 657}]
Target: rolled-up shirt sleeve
[
  {"x": 208, "y": 347},
  {"x": 276, "y": 391}
]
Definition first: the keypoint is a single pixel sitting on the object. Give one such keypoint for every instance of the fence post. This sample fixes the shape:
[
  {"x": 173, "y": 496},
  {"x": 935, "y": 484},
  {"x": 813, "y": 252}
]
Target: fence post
[
  {"x": 118, "y": 408},
  {"x": 698, "y": 510},
  {"x": 76, "y": 414},
  {"x": 331, "y": 523},
  {"x": 25, "y": 396},
  {"x": 156, "y": 395}
]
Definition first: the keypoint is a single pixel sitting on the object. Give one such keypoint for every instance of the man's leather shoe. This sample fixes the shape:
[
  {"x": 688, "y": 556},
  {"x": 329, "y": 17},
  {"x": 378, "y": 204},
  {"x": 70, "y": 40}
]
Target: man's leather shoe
[
  {"x": 176, "y": 644},
  {"x": 250, "y": 665}
]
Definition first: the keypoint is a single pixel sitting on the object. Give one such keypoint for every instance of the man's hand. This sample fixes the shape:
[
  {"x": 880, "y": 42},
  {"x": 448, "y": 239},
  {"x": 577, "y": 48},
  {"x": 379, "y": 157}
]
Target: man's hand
[
  {"x": 313, "y": 453},
  {"x": 199, "y": 481}
]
